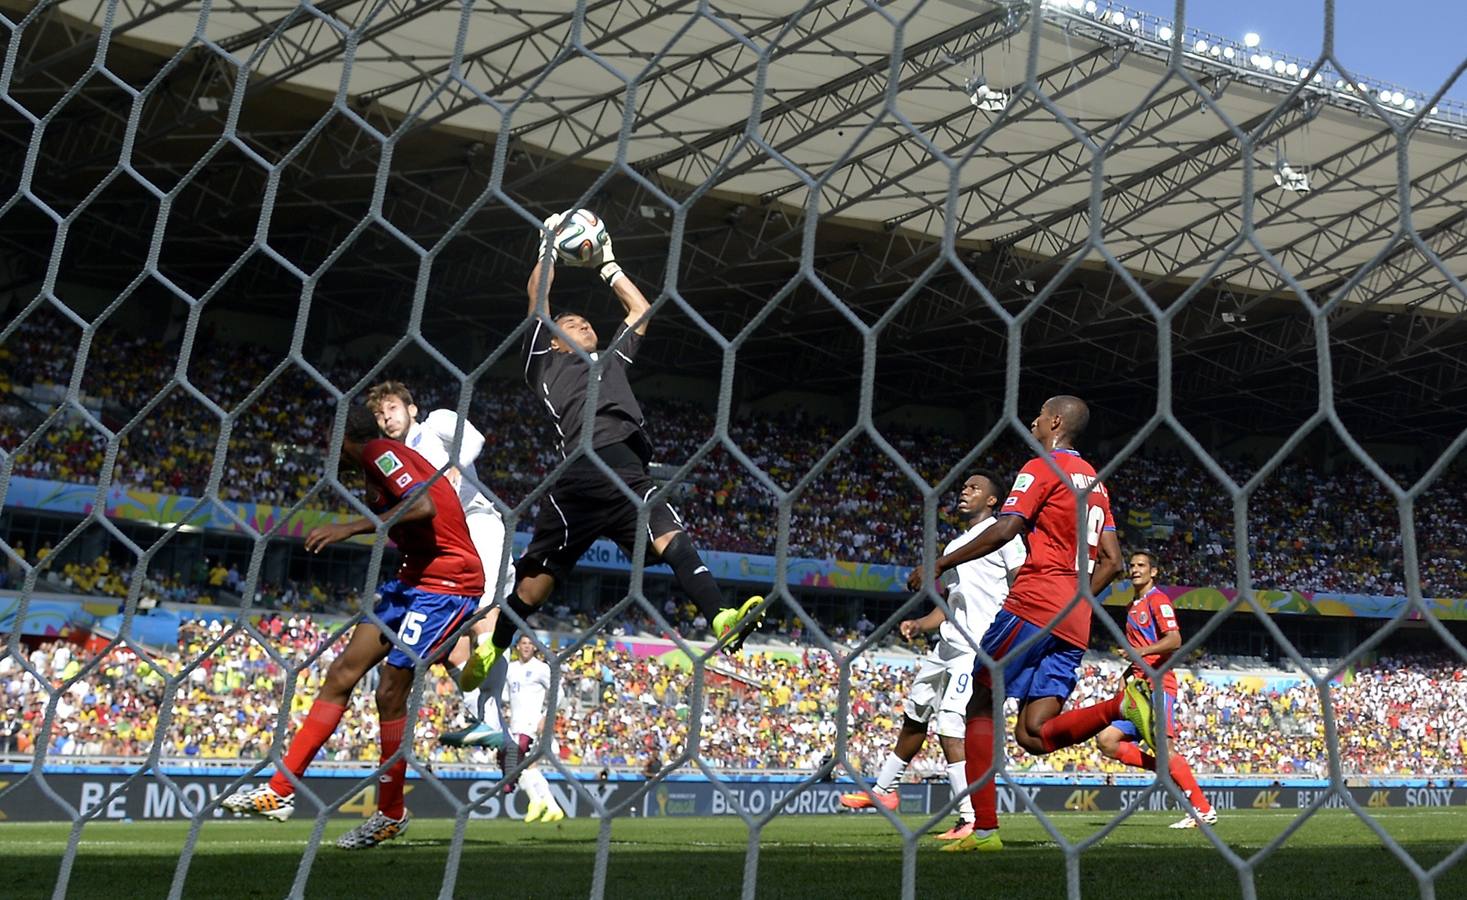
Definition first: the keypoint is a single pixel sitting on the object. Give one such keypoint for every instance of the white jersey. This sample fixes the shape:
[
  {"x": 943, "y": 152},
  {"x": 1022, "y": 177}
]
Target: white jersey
[
  {"x": 433, "y": 437},
  {"x": 978, "y": 588},
  {"x": 526, "y": 685}
]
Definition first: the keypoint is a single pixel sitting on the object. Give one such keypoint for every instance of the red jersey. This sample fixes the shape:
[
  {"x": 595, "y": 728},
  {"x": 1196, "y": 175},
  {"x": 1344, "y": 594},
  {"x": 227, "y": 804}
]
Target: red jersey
[
  {"x": 1050, "y": 576},
  {"x": 1150, "y": 617},
  {"x": 437, "y": 554}
]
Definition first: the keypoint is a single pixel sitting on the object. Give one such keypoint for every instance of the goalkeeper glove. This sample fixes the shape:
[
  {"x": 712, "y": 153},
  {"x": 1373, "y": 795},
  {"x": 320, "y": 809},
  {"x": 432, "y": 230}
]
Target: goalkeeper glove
[
  {"x": 608, "y": 267},
  {"x": 547, "y": 234}
]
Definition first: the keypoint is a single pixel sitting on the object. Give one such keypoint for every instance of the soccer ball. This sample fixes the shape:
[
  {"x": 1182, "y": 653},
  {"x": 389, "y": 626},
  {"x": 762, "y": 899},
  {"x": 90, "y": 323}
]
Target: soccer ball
[{"x": 580, "y": 238}]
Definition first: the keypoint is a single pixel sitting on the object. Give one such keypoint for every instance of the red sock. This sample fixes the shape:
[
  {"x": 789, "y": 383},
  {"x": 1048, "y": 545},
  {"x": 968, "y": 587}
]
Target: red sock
[
  {"x": 390, "y": 783},
  {"x": 1131, "y": 755},
  {"x": 1070, "y": 728},
  {"x": 1182, "y": 775},
  {"x": 978, "y": 750},
  {"x": 320, "y": 722}
]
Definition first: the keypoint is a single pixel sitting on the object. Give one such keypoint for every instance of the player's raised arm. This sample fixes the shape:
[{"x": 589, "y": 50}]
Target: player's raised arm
[
  {"x": 419, "y": 506},
  {"x": 1107, "y": 563},
  {"x": 995, "y": 536},
  {"x": 543, "y": 274},
  {"x": 628, "y": 294}
]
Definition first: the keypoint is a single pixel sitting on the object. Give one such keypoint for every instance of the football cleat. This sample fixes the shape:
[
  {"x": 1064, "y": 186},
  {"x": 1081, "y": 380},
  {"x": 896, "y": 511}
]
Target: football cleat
[
  {"x": 476, "y": 735},
  {"x": 261, "y": 801},
  {"x": 552, "y": 813},
  {"x": 864, "y": 800},
  {"x": 536, "y": 810},
  {"x": 1187, "y": 821},
  {"x": 476, "y": 669},
  {"x": 731, "y": 627},
  {"x": 957, "y": 832},
  {"x": 977, "y": 842},
  {"x": 374, "y": 831},
  {"x": 1136, "y": 709}
]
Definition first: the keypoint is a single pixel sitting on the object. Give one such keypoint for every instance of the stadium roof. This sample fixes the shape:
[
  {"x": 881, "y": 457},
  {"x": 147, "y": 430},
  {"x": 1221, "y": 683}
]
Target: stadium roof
[{"x": 881, "y": 137}]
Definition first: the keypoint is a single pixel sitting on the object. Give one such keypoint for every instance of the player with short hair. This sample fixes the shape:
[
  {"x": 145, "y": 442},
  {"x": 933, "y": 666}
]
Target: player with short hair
[
  {"x": 1151, "y": 629},
  {"x": 1039, "y": 666},
  {"x": 436, "y": 590},
  {"x": 397, "y": 416},
  {"x": 939, "y": 694},
  {"x": 526, "y": 692},
  {"x": 584, "y": 504}
]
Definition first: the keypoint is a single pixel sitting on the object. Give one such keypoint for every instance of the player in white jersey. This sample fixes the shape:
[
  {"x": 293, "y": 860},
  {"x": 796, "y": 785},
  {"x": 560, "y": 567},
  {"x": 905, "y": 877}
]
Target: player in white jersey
[
  {"x": 975, "y": 592},
  {"x": 526, "y": 688},
  {"x": 392, "y": 403}
]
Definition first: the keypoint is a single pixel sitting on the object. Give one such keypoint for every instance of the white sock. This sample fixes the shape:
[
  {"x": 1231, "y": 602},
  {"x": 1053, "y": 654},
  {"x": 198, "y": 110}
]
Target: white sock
[
  {"x": 532, "y": 781},
  {"x": 471, "y": 704},
  {"x": 957, "y": 776},
  {"x": 892, "y": 769}
]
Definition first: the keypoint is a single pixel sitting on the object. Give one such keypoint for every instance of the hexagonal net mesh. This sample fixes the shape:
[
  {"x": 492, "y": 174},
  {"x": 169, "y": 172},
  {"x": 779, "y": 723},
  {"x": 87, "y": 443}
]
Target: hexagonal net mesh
[{"x": 883, "y": 170}]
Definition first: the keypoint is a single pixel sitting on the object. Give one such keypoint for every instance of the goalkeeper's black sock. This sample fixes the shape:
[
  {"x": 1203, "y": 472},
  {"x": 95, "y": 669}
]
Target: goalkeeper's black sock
[
  {"x": 692, "y": 576},
  {"x": 505, "y": 627}
]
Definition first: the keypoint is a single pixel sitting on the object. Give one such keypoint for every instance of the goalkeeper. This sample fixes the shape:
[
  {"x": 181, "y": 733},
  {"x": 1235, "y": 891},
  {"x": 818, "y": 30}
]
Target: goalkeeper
[{"x": 584, "y": 504}]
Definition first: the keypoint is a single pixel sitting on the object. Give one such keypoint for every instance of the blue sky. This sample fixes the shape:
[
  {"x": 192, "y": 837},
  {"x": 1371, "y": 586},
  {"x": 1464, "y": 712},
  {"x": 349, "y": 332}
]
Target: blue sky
[{"x": 1414, "y": 43}]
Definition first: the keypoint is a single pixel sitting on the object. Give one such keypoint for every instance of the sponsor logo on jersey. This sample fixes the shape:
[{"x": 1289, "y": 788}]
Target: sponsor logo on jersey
[
  {"x": 1022, "y": 483},
  {"x": 1012, "y": 501},
  {"x": 388, "y": 463},
  {"x": 405, "y": 479},
  {"x": 1142, "y": 618},
  {"x": 1166, "y": 611}
]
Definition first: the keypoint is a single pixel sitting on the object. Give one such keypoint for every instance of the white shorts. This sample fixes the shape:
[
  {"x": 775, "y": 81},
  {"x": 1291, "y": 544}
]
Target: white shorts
[
  {"x": 486, "y": 530},
  {"x": 943, "y": 685}
]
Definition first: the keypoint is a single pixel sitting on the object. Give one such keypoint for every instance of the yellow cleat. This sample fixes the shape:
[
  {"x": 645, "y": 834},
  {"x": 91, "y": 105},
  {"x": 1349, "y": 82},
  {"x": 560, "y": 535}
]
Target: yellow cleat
[
  {"x": 1136, "y": 709},
  {"x": 536, "y": 810},
  {"x": 731, "y": 627},
  {"x": 552, "y": 813},
  {"x": 977, "y": 842},
  {"x": 480, "y": 661}
]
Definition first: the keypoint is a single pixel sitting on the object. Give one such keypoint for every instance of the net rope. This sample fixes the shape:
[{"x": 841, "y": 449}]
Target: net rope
[{"x": 453, "y": 85}]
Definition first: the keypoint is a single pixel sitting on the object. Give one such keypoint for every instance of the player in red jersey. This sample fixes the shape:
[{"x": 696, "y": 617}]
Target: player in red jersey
[
  {"x": 435, "y": 592},
  {"x": 1039, "y": 667},
  {"x": 1151, "y": 629}
]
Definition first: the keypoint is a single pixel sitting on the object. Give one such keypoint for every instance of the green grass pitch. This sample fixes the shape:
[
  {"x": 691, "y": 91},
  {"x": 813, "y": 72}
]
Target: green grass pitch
[{"x": 1334, "y": 855}]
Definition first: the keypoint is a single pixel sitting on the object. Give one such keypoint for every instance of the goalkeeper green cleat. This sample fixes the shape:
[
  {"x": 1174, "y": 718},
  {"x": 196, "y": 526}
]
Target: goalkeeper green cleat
[
  {"x": 477, "y": 668},
  {"x": 1136, "y": 708},
  {"x": 977, "y": 842},
  {"x": 731, "y": 627}
]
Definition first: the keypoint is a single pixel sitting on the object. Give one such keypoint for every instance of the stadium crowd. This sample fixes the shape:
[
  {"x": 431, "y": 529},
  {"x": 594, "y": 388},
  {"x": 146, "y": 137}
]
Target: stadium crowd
[
  {"x": 1309, "y": 529},
  {"x": 765, "y": 709}
]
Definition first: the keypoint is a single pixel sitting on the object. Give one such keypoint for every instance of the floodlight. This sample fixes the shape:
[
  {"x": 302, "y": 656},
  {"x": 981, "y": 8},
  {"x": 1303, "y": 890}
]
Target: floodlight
[
  {"x": 1090, "y": 7},
  {"x": 1265, "y": 62},
  {"x": 1228, "y": 52},
  {"x": 985, "y": 98},
  {"x": 1293, "y": 180},
  {"x": 1215, "y": 52},
  {"x": 1292, "y": 69},
  {"x": 1410, "y": 103},
  {"x": 1279, "y": 66},
  {"x": 1398, "y": 98},
  {"x": 1118, "y": 18},
  {"x": 1164, "y": 33},
  {"x": 1250, "y": 39},
  {"x": 1200, "y": 46}
]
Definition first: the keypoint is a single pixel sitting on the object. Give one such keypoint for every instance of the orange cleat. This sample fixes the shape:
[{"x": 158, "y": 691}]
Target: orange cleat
[
  {"x": 957, "y": 832},
  {"x": 863, "y": 800}
]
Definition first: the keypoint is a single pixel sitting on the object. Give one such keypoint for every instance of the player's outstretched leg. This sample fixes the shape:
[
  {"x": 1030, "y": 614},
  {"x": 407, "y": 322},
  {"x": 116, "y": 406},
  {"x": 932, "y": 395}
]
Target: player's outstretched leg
[{"x": 276, "y": 800}]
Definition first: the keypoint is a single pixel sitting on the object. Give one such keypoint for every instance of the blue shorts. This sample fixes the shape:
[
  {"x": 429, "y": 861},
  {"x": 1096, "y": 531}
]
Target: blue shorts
[
  {"x": 1168, "y": 713},
  {"x": 422, "y": 619},
  {"x": 1046, "y": 668}
]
